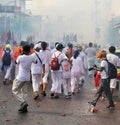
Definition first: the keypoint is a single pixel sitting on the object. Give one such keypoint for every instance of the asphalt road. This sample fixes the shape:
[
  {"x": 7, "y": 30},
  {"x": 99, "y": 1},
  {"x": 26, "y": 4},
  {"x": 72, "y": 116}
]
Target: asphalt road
[{"x": 47, "y": 111}]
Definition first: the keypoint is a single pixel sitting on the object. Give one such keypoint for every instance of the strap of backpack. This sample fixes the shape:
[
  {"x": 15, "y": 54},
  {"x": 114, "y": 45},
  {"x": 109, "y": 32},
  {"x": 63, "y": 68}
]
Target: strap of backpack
[
  {"x": 39, "y": 58},
  {"x": 57, "y": 56}
]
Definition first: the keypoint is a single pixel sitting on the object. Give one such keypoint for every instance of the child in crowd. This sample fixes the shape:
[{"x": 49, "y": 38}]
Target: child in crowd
[
  {"x": 66, "y": 75},
  {"x": 105, "y": 83},
  {"x": 77, "y": 70}
]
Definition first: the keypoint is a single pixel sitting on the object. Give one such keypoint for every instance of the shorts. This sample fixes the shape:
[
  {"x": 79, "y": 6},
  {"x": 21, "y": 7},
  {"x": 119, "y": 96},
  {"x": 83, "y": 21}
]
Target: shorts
[{"x": 113, "y": 83}]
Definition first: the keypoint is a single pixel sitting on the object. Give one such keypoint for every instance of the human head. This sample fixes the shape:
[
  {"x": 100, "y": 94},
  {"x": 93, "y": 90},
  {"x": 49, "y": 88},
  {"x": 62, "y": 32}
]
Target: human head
[
  {"x": 70, "y": 45},
  {"x": 59, "y": 46},
  {"x": 26, "y": 49},
  {"x": 37, "y": 46},
  {"x": 90, "y": 44},
  {"x": 76, "y": 53},
  {"x": 44, "y": 45},
  {"x": 8, "y": 47},
  {"x": 79, "y": 47},
  {"x": 102, "y": 54},
  {"x": 112, "y": 49}
]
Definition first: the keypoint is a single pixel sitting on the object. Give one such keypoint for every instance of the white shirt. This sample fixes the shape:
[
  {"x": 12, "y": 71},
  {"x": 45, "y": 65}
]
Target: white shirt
[
  {"x": 24, "y": 62},
  {"x": 37, "y": 68},
  {"x": 104, "y": 72},
  {"x": 113, "y": 59},
  {"x": 47, "y": 57},
  {"x": 77, "y": 66}
]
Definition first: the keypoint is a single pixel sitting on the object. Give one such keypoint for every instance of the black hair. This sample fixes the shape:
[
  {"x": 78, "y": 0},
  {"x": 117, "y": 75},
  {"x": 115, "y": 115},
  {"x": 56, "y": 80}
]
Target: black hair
[
  {"x": 26, "y": 49},
  {"x": 44, "y": 45},
  {"x": 76, "y": 53},
  {"x": 112, "y": 49},
  {"x": 70, "y": 45}
]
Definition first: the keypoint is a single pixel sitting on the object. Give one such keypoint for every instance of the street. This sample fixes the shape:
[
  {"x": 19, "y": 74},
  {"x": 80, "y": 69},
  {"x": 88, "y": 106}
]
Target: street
[{"x": 47, "y": 111}]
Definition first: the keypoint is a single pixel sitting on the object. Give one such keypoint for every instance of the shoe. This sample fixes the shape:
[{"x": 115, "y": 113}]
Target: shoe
[
  {"x": 24, "y": 110},
  {"x": 4, "y": 82},
  {"x": 103, "y": 98},
  {"x": 91, "y": 103},
  {"x": 111, "y": 107},
  {"x": 52, "y": 94},
  {"x": 69, "y": 94},
  {"x": 67, "y": 97},
  {"x": 23, "y": 107},
  {"x": 56, "y": 96},
  {"x": 43, "y": 93},
  {"x": 35, "y": 96}
]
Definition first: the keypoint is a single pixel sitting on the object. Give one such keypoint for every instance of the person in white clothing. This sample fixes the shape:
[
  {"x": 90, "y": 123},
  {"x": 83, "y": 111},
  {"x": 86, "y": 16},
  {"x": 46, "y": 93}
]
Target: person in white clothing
[
  {"x": 47, "y": 56},
  {"x": 57, "y": 74},
  {"x": 66, "y": 75},
  {"x": 37, "y": 70},
  {"x": 111, "y": 57},
  {"x": 77, "y": 70},
  {"x": 22, "y": 79},
  {"x": 90, "y": 58}
]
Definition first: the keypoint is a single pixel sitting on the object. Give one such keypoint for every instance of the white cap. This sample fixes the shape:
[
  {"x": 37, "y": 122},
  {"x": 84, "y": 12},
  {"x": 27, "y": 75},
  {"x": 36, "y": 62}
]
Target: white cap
[{"x": 37, "y": 46}]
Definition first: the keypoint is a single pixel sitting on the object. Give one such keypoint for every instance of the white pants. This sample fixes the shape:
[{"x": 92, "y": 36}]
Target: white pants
[
  {"x": 36, "y": 81},
  {"x": 8, "y": 71},
  {"x": 66, "y": 85},
  {"x": 74, "y": 83},
  {"x": 20, "y": 89},
  {"x": 56, "y": 81}
]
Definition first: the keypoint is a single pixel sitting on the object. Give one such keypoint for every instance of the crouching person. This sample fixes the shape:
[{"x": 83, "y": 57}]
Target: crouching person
[{"x": 22, "y": 80}]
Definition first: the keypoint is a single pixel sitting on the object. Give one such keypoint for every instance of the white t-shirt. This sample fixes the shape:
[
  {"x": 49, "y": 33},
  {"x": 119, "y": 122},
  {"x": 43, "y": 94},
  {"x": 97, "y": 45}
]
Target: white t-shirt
[
  {"x": 47, "y": 57},
  {"x": 37, "y": 68},
  {"x": 104, "y": 72},
  {"x": 113, "y": 59},
  {"x": 24, "y": 62},
  {"x": 77, "y": 66},
  {"x": 66, "y": 66}
]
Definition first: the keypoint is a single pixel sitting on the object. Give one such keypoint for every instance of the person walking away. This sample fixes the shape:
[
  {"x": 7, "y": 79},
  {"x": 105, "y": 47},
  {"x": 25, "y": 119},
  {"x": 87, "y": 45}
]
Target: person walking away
[
  {"x": 7, "y": 63},
  {"x": 77, "y": 70},
  {"x": 105, "y": 83},
  {"x": 37, "y": 70},
  {"x": 66, "y": 75},
  {"x": 47, "y": 56},
  {"x": 114, "y": 59},
  {"x": 56, "y": 75},
  {"x": 22, "y": 80},
  {"x": 90, "y": 58}
]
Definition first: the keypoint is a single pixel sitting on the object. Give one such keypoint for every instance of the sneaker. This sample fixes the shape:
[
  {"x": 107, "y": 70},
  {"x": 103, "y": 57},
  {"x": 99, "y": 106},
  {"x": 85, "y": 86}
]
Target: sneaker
[
  {"x": 103, "y": 98},
  {"x": 91, "y": 103},
  {"x": 52, "y": 94},
  {"x": 35, "y": 96},
  {"x": 69, "y": 94},
  {"x": 4, "y": 82},
  {"x": 111, "y": 107},
  {"x": 23, "y": 107},
  {"x": 43, "y": 93},
  {"x": 67, "y": 97}
]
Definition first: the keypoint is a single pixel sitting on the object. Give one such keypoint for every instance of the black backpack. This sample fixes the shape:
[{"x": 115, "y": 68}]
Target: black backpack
[
  {"x": 112, "y": 71},
  {"x": 6, "y": 58}
]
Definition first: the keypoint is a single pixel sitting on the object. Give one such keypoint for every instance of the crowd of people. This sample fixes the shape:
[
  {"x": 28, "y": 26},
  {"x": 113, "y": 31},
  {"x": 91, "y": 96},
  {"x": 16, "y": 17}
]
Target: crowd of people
[{"x": 66, "y": 66}]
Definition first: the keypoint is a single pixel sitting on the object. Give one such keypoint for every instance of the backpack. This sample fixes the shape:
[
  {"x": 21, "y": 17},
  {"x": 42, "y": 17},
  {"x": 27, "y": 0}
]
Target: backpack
[
  {"x": 6, "y": 58},
  {"x": 54, "y": 65},
  {"x": 112, "y": 71}
]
